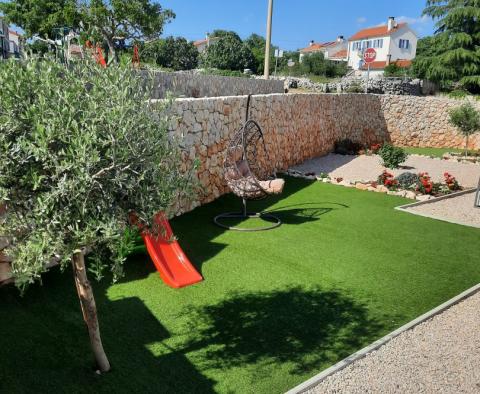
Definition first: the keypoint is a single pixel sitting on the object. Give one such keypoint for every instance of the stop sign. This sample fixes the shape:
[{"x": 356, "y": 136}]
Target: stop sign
[{"x": 369, "y": 55}]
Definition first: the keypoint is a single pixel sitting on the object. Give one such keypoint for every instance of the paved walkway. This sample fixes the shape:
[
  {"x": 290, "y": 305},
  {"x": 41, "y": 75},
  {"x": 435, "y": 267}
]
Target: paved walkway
[
  {"x": 368, "y": 168},
  {"x": 441, "y": 355}
]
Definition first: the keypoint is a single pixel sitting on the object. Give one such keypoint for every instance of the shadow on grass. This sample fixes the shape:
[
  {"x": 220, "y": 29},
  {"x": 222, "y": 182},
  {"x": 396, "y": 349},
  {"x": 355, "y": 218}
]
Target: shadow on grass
[
  {"x": 304, "y": 327},
  {"x": 45, "y": 347}
]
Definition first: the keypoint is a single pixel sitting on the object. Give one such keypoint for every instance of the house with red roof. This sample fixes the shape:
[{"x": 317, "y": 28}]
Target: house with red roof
[
  {"x": 203, "y": 44},
  {"x": 394, "y": 43},
  {"x": 333, "y": 50}
]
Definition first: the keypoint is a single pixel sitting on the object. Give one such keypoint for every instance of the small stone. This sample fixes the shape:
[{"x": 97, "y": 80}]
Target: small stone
[
  {"x": 361, "y": 186},
  {"x": 381, "y": 189},
  {"x": 423, "y": 197},
  {"x": 411, "y": 195}
]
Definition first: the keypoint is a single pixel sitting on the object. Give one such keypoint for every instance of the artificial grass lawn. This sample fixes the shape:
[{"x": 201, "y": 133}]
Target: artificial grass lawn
[
  {"x": 434, "y": 152},
  {"x": 275, "y": 308}
]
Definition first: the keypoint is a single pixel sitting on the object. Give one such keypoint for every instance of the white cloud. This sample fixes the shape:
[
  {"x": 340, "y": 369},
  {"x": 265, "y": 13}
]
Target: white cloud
[
  {"x": 414, "y": 21},
  {"x": 361, "y": 20}
]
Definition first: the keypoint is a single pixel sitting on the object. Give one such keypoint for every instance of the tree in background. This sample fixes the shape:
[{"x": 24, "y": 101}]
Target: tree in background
[
  {"x": 454, "y": 54},
  {"x": 81, "y": 148},
  {"x": 174, "y": 53},
  {"x": 256, "y": 44},
  {"x": 41, "y": 16},
  {"x": 467, "y": 120},
  {"x": 228, "y": 53},
  {"x": 314, "y": 64},
  {"x": 101, "y": 20},
  {"x": 127, "y": 19}
]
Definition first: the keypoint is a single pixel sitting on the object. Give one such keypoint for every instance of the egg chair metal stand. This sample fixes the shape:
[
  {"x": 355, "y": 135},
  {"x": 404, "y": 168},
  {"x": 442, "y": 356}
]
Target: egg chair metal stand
[{"x": 247, "y": 175}]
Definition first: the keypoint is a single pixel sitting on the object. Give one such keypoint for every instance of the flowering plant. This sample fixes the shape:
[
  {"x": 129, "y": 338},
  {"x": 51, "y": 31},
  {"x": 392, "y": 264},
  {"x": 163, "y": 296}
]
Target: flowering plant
[
  {"x": 451, "y": 182},
  {"x": 387, "y": 179},
  {"x": 425, "y": 184},
  {"x": 375, "y": 148}
]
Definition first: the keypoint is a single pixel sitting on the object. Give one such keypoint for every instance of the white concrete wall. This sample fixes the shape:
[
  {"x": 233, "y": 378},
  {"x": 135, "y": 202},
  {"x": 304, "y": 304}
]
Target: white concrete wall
[
  {"x": 382, "y": 53},
  {"x": 402, "y": 53}
]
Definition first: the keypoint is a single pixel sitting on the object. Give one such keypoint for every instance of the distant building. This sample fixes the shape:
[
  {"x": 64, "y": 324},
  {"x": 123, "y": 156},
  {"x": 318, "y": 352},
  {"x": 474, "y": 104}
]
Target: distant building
[
  {"x": 4, "y": 40},
  {"x": 202, "y": 45},
  {"x": 332, "y": 50},
  {"x": 393, "y": 42},
  {"x": 14, "y": 39}
]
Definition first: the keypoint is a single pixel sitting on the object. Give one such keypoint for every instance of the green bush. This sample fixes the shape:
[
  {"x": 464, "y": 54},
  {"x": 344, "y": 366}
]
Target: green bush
[
  {"x": 458, "y": 94},
  {"x": 392, "y": 156},
  {"x": 172, "y": 53},
  {"x": 80, "y": 148},
  {"x": 407, "y": 180},
  {"x": 355, "y": 88}
]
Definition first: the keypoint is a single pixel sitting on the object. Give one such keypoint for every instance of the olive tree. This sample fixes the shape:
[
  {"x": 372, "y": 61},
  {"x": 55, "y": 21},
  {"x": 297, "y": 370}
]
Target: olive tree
[
  {"x": 81, "y": 148},
  {"x": 467, "y": 120}
]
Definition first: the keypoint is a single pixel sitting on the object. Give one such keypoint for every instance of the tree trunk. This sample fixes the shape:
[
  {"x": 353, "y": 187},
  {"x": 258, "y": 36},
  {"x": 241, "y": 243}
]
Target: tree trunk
[
  {"x": 466, "y": 145},
  {"x": 89, "y": 310},
  {"x": 113, "y": 56}
]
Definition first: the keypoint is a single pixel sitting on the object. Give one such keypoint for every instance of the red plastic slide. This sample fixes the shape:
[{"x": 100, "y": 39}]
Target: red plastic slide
[{"x": 173, "y": 265}]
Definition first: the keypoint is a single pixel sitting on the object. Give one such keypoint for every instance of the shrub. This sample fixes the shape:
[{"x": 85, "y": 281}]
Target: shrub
[
  {"x": 387, "y": 179},
  {"x": 374, "y": 148},
  {"x": 355, "y": 88},
  {"x": 458, "y": 94},
  {"x": 392, "y": 156},
  {"x": 407, "y": 180},
  {"x": 347, "y": 147},
  {"x": 425, "y": 184},
  {"x": 467, "y": 120},
  {"x": 451, "y": 182}
]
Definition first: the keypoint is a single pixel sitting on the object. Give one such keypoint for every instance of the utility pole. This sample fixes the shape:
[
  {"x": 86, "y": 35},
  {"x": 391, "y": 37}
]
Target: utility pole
[{"x": 269, "y": 39}]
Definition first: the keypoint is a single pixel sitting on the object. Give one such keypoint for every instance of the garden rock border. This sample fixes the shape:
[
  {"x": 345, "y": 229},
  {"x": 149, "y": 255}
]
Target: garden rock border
[{"x": 361, "y": 185}]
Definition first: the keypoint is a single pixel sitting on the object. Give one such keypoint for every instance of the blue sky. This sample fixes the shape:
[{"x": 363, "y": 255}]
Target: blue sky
[{"x": 295, "y": 22}]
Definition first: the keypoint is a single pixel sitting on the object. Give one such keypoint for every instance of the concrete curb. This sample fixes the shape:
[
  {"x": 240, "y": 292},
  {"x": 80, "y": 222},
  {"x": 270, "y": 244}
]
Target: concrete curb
[
  {"x": 314, "y": 381},
  {"x": 405, "y": 208}
]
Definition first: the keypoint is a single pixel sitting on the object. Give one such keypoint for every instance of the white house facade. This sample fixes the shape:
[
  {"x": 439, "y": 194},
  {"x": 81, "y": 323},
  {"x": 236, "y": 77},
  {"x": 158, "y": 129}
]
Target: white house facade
[{"x": 393, "y": 42}]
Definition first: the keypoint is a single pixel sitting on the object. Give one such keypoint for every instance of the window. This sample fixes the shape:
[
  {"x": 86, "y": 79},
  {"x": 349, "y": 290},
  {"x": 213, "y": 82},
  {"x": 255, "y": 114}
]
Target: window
[
  {"x": 356, "y": 46},
  {"x": 404, "y": 44},
  {"x": 378, "y": 43}
]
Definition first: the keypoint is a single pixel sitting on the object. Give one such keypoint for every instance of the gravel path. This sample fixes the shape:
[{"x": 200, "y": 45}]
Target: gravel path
[
  {"x": 441, "y": 355},
  {"x": 368, "y": 168},
  {"x": 458, "y": 209}
]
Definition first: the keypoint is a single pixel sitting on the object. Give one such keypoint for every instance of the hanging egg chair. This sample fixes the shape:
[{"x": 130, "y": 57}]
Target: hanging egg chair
[{"x": 246, "y": 173}]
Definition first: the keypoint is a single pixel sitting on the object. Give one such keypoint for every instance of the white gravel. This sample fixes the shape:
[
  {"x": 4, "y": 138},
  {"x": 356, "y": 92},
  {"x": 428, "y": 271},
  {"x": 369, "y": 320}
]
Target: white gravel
[
  {"x": 368, "y": 168},
  {"x": 457, "y": 209},
  {"x": 441, "y": 355}
]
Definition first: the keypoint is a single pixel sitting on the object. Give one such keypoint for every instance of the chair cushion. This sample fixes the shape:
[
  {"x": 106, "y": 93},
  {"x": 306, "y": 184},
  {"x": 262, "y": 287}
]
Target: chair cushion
[{"x": 275, "y": 186}]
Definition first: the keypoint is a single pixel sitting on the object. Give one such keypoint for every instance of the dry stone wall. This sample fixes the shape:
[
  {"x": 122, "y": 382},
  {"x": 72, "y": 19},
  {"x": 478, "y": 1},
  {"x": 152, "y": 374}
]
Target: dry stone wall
[
  {"x": 423, "y": 122},
  {"x": 301, "y": 126},
  {"x": 296, "y": 127},
  {"x": 197, "y": 85}
]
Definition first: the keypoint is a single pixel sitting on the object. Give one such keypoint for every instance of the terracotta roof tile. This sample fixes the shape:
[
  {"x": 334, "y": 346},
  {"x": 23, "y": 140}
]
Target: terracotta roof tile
[
  {"x": 379, "y": 65},
  {"x": 342, "y": 54},
  {"x": 377, "y": 31},
  {"x": 317, "y": 46}
]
